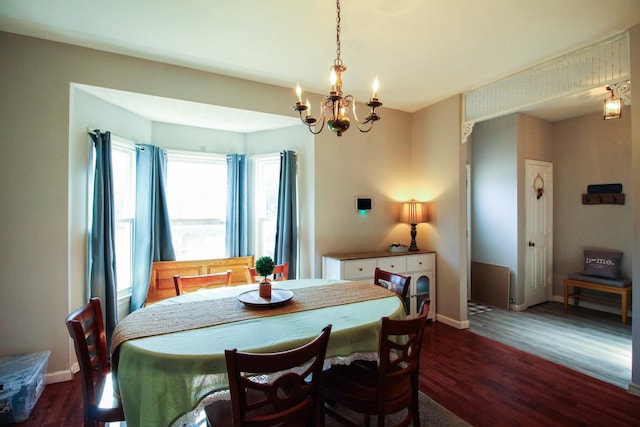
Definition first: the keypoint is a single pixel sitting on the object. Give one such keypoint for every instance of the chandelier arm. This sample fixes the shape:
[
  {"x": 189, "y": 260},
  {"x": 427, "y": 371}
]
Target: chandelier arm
[
  {"x": 313, "y": 123},
  {"x": 312, "y": 127},
  {"x": 352, "y": 101}
]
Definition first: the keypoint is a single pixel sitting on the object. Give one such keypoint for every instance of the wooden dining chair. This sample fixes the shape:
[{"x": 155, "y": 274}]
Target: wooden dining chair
[
  {"x": 290, "y": 396},
  {"x": 384, "y": 387},
  {"x": 191, "y": 283},
  {"x": 280, "y": 272},
  {"x": 394, "y": 282},
  {"x": 86, "y": 327}
]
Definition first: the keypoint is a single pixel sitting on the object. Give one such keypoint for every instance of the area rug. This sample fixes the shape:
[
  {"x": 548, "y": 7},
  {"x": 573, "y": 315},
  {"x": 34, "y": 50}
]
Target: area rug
[
  {"x": 476, "y": 308},
  {"x": 431, "y": 414}
]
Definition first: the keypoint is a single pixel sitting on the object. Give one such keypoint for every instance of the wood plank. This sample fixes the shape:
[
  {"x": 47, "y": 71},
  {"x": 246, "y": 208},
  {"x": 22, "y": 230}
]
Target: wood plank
[
  {"x": 589, "y": 341},
  {"x": 488, "y": 383}
]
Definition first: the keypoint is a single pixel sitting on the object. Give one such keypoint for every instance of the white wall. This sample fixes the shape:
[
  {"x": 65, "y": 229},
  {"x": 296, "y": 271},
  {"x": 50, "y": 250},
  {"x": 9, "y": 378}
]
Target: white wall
[
  {"x": 494, "y": 190},
  {"x": 188, "y": 138}
]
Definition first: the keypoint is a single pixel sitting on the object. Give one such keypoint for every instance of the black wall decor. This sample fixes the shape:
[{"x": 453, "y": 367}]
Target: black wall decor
[{"x": 601, "y": 194}]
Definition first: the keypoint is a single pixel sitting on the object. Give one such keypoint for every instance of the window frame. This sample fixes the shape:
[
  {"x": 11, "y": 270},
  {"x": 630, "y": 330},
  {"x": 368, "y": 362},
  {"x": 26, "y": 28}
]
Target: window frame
[
  {"x": 124, "y": 145},
  {"x": 204, "y": 158},
  {"x": 259, "y": 162}
]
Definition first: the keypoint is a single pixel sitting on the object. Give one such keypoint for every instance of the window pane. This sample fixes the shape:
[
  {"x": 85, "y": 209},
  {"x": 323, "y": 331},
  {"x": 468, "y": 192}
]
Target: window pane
[
  {"x": 266, "y": 183},
  {"x": 123, "y": 158},
  {"x": 197, "y": 202},
  {"x": 123, "y": 244}
]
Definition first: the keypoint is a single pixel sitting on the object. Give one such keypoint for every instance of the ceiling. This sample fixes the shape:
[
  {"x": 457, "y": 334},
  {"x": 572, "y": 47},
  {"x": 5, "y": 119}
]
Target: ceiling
[{"x": 422, "y": 51}]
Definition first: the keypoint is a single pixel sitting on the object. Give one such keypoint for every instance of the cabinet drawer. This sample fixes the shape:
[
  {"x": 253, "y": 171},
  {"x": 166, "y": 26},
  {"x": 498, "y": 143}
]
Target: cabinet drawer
[
  {"x": 394, "y": 264},
  {"x": 359, "y": 268},
  {"x": 420, "y": 262}
]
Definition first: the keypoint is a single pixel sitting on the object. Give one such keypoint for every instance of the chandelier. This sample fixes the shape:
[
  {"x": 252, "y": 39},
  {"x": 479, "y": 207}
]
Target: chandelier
[{"x": 334, "y": 107}]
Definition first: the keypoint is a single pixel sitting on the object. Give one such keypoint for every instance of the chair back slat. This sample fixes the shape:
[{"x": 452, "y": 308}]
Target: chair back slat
[
  {"x": 399, "y": 347},
  {"x": 190, "y": 283},
  {"x": 280, "y": 272},
  {"x": 86, "y": 328},
  {"x": 394, "y": 282},
  {"x": 277, "y": 388}
]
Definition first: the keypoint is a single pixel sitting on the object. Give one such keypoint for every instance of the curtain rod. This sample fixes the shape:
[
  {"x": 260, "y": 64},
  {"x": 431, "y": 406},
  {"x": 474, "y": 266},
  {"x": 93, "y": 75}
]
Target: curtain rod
[{"x": 92, "y": 131}]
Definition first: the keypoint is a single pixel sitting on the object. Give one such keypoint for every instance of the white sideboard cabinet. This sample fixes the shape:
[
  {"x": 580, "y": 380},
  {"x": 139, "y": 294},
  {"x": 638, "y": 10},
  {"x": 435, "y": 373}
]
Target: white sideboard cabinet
[{"x": 421, "y": 266}]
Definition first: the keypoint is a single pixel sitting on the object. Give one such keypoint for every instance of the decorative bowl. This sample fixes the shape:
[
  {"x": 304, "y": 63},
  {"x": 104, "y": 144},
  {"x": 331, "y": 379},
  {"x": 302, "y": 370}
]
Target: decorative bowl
[{"x": 398, "y": 248}]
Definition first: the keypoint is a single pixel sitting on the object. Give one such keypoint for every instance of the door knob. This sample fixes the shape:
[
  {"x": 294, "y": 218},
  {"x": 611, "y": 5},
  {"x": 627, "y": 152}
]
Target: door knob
[{"x": 531, "y": 244}]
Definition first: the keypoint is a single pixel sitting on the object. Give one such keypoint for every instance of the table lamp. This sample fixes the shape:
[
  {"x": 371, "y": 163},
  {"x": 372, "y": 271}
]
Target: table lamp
[{"x": 414, "y": 213}]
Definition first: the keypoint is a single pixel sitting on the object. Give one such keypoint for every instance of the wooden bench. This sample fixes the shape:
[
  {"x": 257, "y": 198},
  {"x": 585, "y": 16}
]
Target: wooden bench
[
  {"x": 161, "y": 285},
  {"x": 618, "y": 287}
]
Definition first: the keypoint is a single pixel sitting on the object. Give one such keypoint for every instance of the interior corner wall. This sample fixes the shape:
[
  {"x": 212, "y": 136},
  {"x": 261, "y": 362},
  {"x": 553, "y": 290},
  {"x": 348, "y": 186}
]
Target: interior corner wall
[
  {"x": 300, "y": 140},
  {"x": 438, "y": 160},
  {"x": 494, "y": 194},
  {"x": 589, "y": 150},
  {"x": 86, "y": 111}
]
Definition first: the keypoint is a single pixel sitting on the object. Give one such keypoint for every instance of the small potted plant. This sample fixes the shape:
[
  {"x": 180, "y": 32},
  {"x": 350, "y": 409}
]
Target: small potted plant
[{"x": 264, "y": 267}]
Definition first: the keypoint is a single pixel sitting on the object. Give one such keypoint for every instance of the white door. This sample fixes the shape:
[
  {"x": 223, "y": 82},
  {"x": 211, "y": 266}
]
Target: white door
[{"x": 538, "y": 193}]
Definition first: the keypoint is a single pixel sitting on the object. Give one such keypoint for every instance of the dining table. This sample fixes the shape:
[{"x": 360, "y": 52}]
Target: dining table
[{"x": 169, "y": 358}]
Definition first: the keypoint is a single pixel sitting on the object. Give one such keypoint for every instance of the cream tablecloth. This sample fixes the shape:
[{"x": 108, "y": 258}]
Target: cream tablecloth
[{"x": 164, "y": 377}]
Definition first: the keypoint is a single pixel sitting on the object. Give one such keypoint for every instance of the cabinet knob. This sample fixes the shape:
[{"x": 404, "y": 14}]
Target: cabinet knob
[
  {"x": 393, "y": 266},
  {"x": 420, "y": 262},
  {"x": 360, "y": 269}
]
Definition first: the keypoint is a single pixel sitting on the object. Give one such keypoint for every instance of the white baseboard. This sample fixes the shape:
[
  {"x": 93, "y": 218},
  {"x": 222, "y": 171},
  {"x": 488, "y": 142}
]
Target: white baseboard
[
  {"x": 453, "y": 323},
  {"x": 58, "y": 377},
  {"x": 517, "y": 307},
  {"x": 634, "y": 389}
]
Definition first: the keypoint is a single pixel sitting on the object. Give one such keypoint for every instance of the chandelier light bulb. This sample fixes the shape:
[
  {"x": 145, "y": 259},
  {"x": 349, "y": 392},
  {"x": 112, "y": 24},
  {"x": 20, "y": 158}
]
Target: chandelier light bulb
[
  {"x": 299, "y": 92},
  {"x": 333, "y": 78},
  {"x": 376, "y": 86},
  {"x": 308, "y": 104}
]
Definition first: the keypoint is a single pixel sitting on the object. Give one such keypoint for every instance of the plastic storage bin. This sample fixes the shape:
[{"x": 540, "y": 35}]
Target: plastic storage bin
[{"x": 21, "y": 385}]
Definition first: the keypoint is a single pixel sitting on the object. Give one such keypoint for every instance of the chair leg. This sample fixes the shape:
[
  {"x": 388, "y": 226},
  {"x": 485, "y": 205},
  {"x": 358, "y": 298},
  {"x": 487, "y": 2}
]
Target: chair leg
[{"x": 415, "y": 412}]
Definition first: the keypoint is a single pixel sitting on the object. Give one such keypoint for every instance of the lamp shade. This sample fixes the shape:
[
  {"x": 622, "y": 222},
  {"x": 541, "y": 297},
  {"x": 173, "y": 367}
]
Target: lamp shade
[{"x": 414, "y": 212}]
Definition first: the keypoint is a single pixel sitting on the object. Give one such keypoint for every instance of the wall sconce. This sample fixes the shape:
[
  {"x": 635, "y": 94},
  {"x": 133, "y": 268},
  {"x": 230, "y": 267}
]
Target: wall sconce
[
  {"x": 414, "y": 213},
  {"x": 612, "y": 106}
]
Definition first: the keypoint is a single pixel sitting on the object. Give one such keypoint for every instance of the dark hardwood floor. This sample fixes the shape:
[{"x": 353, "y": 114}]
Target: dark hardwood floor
[
  {"x": 482, "y": 381},
  {"x": 490, "y": 384}
]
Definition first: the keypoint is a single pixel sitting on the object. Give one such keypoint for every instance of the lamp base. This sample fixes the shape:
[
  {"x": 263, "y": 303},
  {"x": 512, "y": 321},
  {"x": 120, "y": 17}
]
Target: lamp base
[{"x": 413, "y": 247}]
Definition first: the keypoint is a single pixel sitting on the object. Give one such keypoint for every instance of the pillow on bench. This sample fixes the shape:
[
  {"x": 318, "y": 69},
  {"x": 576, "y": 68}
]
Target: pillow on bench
[{"x": 602, "y": 263}]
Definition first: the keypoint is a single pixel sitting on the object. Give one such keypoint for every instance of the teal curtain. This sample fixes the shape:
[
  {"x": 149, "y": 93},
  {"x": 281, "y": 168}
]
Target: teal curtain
[
  {"x": 152, "y": 228},
  {"x": 102, "y": 256},
  {"x": 286, "y": 249},
  {"x": 237, "y": 226}
]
